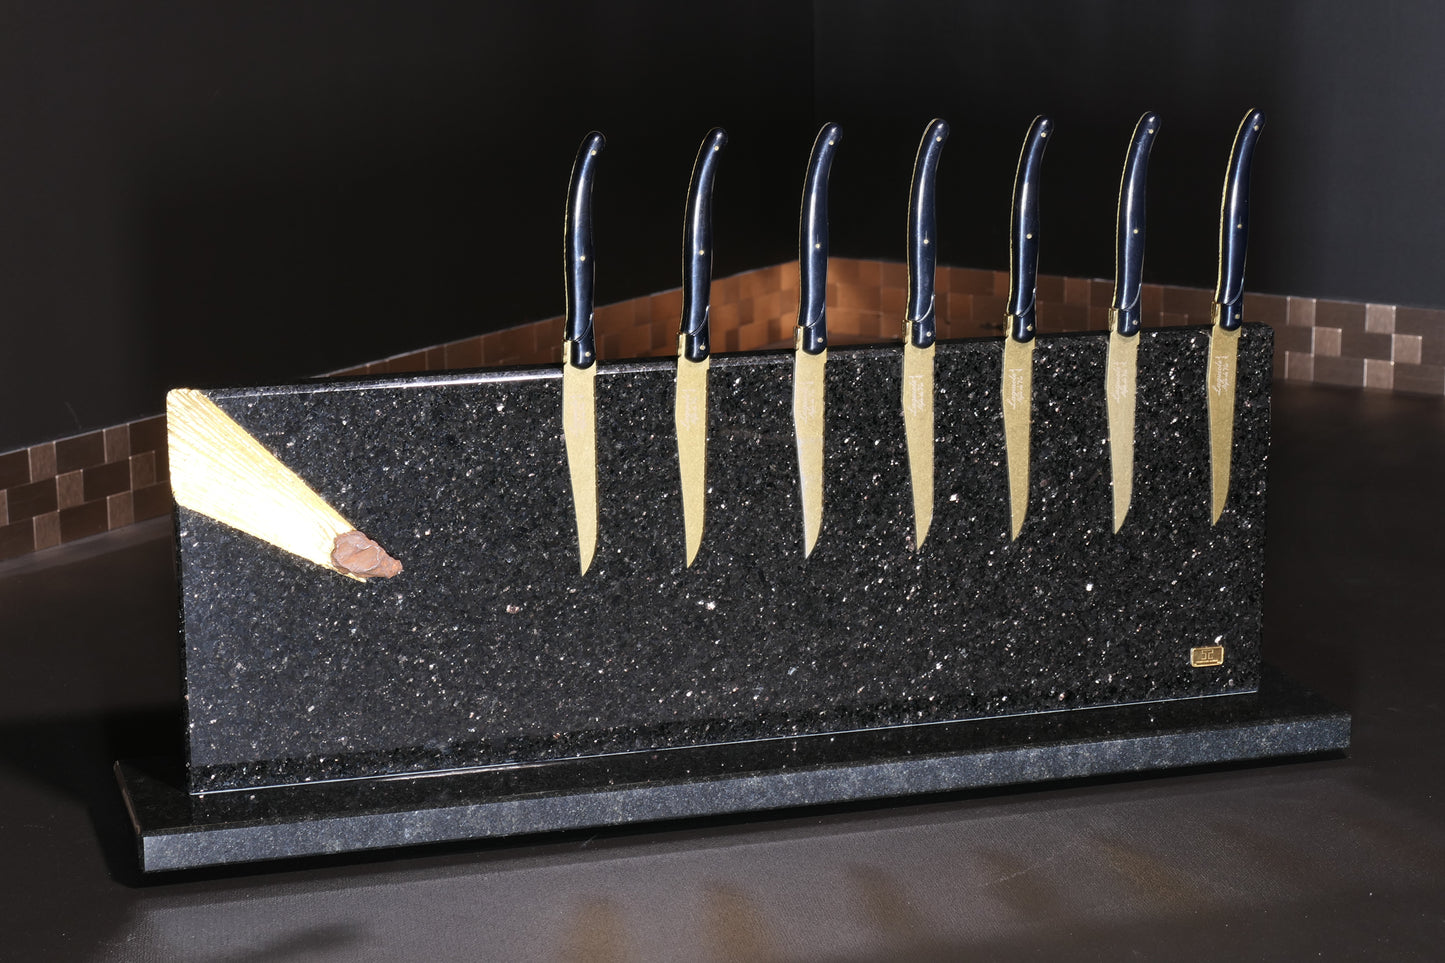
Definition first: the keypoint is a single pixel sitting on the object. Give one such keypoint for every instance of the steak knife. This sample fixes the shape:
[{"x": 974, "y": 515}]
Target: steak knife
[
  {"x": 1121, "y": 369},
  {"x": 810, "y": 354},
  {"x": 1228, "y": 309},
  {"x": 579, "y": 349},
  {"x": 920, "y": 327},
  {"x": 693, "y": 348},
  {"x": 1018, "y": 346}
]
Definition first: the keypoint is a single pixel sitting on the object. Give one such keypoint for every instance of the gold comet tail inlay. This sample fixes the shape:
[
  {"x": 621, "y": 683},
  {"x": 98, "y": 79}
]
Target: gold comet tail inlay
[
  {"x": 1120, "y": 380},
  {"x": 808, "y": 402},
  {"x": 1018, "y": 403},
  {"x": 579, "y": 430},
  {"x": 918, "y": 429},
  {"x": 1219, "y": 388},
  {"x": 690, "y": 419},
  {"x": 220, "y": 471}
]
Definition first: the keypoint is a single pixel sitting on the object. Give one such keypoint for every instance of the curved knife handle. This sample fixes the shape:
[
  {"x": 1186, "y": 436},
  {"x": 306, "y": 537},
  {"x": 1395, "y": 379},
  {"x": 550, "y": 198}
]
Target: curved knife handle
[
  {"x": 1234, "y": 221},
  {"x": 1129, "y": 243},
  {"x": 581, "y": 349},
  {"x": 813, "y": 243},
  {"x": 1023, "y": 238},
  {"x": 697, "y": 248},
  {"x": 922, "y": 236}
]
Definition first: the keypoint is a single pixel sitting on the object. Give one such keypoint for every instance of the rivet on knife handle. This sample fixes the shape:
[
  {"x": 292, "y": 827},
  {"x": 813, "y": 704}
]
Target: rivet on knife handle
[
  {"x": 579, "y": 351},
  {"x": 1121, "y": 368},
  {"x": 693, "y": 349},
  {"x": 920, "y": 327},
  {"x": 1219, "y": 385},
  {"x": 810, "y": 354},
  {"x": 1018, "y": 349}
]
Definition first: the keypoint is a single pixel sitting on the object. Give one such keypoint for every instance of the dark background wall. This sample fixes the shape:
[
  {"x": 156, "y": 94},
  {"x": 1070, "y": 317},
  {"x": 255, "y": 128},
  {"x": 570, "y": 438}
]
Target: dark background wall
[{"x": 262, "y": 191}]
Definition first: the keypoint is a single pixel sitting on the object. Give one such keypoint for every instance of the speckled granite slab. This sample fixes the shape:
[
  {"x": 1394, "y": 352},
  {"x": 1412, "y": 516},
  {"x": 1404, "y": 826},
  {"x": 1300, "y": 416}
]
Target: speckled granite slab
[
  {"x": 176, "y": 830},
  {"x": 491, "y": 650}
]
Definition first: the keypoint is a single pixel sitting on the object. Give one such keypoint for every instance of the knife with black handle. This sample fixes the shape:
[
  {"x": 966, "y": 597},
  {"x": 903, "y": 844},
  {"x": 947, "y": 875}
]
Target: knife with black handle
[
  {"x": 579, "y": 349},
  {"x": 810, "y": 353},
  {"x": 693, "y": 348},
  {"x": 1121, "y": 368},
  {"x": 1018, "y": 348},
  {"x": 1219, "y": 385},
  {"x": 920, "y": 326}
]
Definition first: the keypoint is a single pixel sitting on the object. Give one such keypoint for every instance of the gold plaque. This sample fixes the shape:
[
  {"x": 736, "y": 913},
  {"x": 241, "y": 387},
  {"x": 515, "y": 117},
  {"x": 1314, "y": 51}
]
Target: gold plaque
[{"x": 1206, "y": 655}]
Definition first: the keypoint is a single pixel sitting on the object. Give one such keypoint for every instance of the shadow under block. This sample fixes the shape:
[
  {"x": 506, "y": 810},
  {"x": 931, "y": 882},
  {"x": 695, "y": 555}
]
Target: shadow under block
[{"x": 490, "y": 651}]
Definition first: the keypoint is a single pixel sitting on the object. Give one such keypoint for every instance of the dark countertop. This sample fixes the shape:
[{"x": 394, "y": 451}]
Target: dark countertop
[{"x": 1330, "y": 858}]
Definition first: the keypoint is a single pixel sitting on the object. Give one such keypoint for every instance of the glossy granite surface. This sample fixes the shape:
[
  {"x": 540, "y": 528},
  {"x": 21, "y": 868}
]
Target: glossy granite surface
[{"x": 1339, "y": 857}]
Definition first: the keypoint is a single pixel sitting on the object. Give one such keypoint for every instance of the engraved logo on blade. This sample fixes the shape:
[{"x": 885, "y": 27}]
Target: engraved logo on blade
[
  {"x": 917, "y": 393},
  {"x": 689, "y": 407},
  {"x": 1119, "y": 380},
  {"x": 1206, "y": 655},
  {"x": 1220, "y": 381},
  {"x": 1014, "y": 387}
]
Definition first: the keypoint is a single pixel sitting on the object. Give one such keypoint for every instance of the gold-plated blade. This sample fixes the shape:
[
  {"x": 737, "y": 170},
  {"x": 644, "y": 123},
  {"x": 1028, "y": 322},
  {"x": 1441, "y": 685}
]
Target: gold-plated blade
[
  {"x": 579, "y": 428},
  {"x": 1219, "y": 387},
  {"x": 808, "y": 427},
  {"x": 1120, "y": 375},
  {"x": 918, "y": 429},
  {"x": 690, "y": 417},
  {"x": 1018, "y": 403}
]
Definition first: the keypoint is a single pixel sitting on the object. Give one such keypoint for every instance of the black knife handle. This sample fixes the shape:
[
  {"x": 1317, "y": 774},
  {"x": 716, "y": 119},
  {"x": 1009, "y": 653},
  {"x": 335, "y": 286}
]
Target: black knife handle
[
  {"x": 923, "y": 236},
  {"x": 1234, "y": 222},
  {"x": 1023, "y": 240},
  {"x": 697, "y": 248},
  {"x": 581, "y": 344},
  {"x": 1129, "y": 247},
  {"x": 813, "y": 243}
]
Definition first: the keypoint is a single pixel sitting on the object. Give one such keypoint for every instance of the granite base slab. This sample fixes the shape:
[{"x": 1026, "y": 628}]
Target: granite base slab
[{"x": 176, "y": 830}]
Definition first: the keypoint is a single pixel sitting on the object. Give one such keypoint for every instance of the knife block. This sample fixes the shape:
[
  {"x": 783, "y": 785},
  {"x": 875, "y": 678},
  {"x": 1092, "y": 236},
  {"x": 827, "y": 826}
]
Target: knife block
[{"x": 532, "y": 697}]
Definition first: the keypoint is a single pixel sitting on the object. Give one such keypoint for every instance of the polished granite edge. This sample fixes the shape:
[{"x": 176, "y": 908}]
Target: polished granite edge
[{"x": 179, "y": 831}]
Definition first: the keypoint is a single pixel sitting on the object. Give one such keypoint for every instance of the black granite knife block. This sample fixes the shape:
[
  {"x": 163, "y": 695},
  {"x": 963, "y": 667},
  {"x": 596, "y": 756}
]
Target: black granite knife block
[{"x": 492, "y": 660}]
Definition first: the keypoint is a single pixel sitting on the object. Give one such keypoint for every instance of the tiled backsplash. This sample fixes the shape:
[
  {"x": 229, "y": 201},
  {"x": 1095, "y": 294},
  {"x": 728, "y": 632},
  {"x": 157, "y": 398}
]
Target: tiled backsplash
[{"x": 64, "y": 490}]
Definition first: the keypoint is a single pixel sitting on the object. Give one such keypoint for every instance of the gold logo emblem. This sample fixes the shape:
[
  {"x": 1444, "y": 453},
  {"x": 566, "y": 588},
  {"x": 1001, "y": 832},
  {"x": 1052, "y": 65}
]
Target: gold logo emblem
[{"x": 1206, "y": 655}]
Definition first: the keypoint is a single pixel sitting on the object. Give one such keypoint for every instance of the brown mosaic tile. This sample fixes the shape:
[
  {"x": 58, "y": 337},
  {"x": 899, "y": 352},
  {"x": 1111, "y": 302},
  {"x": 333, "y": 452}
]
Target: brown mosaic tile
[
  {"x": 1288, "y": 338},
  {"x": 1301, "y": 312},
  {"x": 1101, "y": 293},
  {"x": 117, "y": 443},
  {"x": 1344, "y": 372},
  {"x": 82, "y": 451},
  {"x": 1406, "y": 348},
  {"x": 70, "y": 488},
  {"x": 1276, "y": 369},
  {"x": 1195, "y": 302},
  {"x": 969, "y": 281},
  {"x": 1421, "y": 321},
  {"x": 1151, "y": 298},
  {"x": 152, "y": 502},
  {"x": 36, "y": 498},
  {"x": 894, "y": 302},
  {"x": 1076, "y": 291},
  {"x": 47, "y": 530},
  {"x": 1168, "y": 319},
  {"x": 4, "y": 507},
  {"x": 42, "y": 461},
  {"x": 83, "y": 521},
  {"x": 14, "y": 469},
  {"x": 148, "y": 434},
  {"x": 726, "y": 290},
  {"x": 120, "y": 510},
  {"x": 463, "y": 354},
  {"x": 1379, "y": 374},
  {"x": 1000, "y": 284},
  {"x": 1340, "y": 314},
  {"x": 142, "y": 470},
  {"x": 1420, "y": 379},
  {"x": 858, "y": 298},
  {"x": 436, "y": 359},
  {"x": 1271, "y": 309},
  {"x": 988, "y": 308},
  {"x": 1299, "y": 367},
  {"x": 1364, "y": 344},
  {"x": 894, "y": 274},
  {"x": 1380, "y": 318},
  {"x": 1327, "y": 342},
  {"x": 1049, "y": 287},
  {"x": 1099, "y": 319},
  {"x": 17, "y": 538},
  {"x": 106, "y": 480}
]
